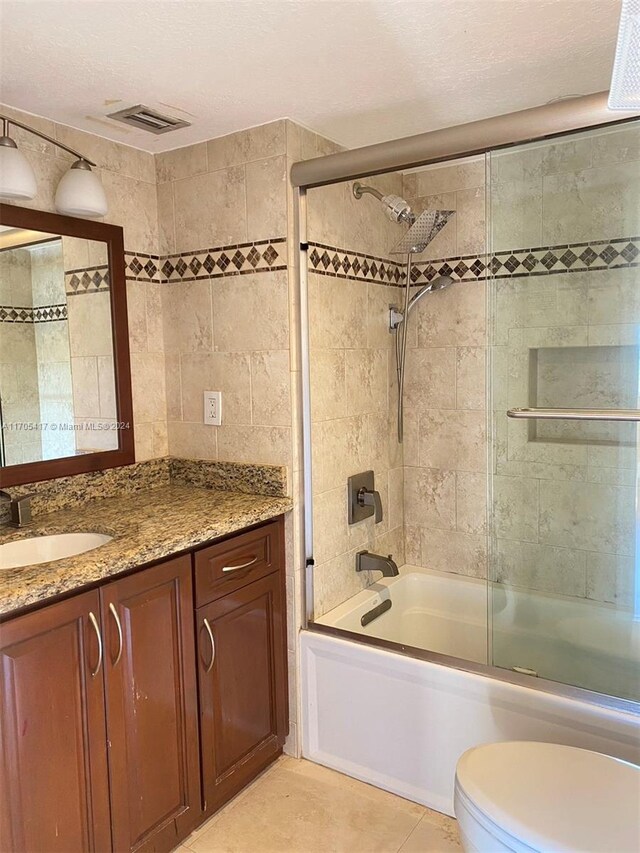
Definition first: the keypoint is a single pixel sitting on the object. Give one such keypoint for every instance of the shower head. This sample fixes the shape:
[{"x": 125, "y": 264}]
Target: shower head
[
  {"x": 438, "y": 283},
  {"x": 395, "y": 207},
  {"x": 427, "y": 226}
]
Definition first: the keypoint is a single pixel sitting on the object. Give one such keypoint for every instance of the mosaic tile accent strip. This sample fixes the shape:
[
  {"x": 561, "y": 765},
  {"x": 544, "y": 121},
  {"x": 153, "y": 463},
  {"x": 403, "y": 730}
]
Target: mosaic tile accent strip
[
  {"x": 141, "y": 267},
  {"x": 544, "y": 260},
  {"x": 342, "y": 263},
  {"x": 89, "y": 280},
  {"x": 215, "y": 262},
  {"x": 39, "y": 314}
]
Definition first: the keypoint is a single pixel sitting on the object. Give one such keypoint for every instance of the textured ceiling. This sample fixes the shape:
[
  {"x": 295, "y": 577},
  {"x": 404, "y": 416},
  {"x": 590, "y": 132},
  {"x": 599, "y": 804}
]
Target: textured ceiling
[{"x": 358, "y": 71}]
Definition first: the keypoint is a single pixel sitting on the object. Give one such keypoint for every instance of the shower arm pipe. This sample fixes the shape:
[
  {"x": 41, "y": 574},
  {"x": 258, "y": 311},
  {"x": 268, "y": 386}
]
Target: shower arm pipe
[
  {"x": 462, "y": 140},
  {"x": 360, "y": 189},
  {"x": 7, "y": 122}
]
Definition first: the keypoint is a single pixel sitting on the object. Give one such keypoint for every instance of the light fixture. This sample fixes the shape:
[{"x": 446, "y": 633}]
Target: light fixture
[
  {"x": 17, "y": 179},
  {"x": 79, "y": 192},
  {"x": 625, "y": 82}
]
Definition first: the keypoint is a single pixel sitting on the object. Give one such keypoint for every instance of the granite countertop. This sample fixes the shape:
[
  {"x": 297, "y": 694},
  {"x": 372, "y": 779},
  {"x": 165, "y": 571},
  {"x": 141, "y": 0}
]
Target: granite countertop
[{"x": 146, "y": 526}]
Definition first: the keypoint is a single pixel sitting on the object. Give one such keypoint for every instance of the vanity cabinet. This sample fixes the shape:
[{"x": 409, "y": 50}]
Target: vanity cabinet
[
  {"x": 99, "y": 719},
  {"x": 242, "y": 666},
  {"x": 54, "y": 790},
  {"x": 101, "y": 747},
  {"x": 151, "y": 701}
]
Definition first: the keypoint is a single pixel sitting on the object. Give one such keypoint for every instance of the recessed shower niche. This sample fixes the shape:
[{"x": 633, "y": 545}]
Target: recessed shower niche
[{"x": 583, "y": 377}]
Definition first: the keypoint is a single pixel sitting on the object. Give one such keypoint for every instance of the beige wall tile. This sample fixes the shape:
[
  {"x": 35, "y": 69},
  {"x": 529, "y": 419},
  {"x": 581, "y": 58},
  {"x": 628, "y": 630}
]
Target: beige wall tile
[
  {"x": 256, "y": 143},
  {"x": 133, "y": 204},
  {"x": 471, "y": 502},
  {"x": 328, "y": 384},
  {"x": 267, "y": 445},
  {"x": 336, "y": 310},
  {"x": 210, "y": 209},
  {"x": 187, "y": 316},
  {"x": 366, "y": 381},
  {"x": 515, "y": 508},
  {"x": 453, "y": 439},
  {"x": 459, "y": 176},
  {"x": 430, "y": 498},
  {"x": 270, "y": 388},
  {"x": 181, "y": 163},
  {"x": 192, "y": 441},
  {"x": 471, "y": 378},
  {"x": 554, "y": 570},
  {"x": 452, "y": 551},
  {"x": 251, "y": 312},
  {"x": 266, "y": 198},
  {"x": 453, "y": 317},
  {"x": 147, "y": 385},
  {"x": 166, "y": 220},
  {"x": 430, "y": 379},
  {"x": 590, "y": 516}
]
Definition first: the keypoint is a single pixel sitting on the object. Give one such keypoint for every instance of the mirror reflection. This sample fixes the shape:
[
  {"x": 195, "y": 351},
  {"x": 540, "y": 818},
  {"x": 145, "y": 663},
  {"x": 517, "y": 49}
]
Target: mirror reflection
[{"x": 57, "y": 385}]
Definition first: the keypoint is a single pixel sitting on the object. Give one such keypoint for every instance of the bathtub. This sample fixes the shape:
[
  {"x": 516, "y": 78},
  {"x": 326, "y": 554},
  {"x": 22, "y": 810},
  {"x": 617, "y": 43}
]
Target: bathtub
[{"x": 401, "y": 722}]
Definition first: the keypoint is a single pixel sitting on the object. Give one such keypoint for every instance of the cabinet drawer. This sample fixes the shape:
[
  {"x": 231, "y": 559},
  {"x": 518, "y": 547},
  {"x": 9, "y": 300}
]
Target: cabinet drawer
[{"x": 229, "y": 565}]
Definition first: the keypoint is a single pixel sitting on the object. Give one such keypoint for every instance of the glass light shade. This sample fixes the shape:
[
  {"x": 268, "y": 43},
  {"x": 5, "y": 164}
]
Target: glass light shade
[
  {"x": 17, "y": 179},
  {"x": 625, "y": 82},
  {"x": 80, "y": 193}
]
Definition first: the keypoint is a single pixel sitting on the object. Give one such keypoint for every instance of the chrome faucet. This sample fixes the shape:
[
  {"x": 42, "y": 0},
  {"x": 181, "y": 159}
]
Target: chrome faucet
[
  {"x": 366, "y": 562},
  {"x": 19, "y": 509}
]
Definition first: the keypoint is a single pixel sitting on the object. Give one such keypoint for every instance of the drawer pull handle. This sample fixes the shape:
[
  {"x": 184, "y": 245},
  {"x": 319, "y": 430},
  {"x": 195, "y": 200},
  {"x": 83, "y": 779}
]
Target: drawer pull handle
[
  {"x": 116, "y": 619},
  {"x": 207, "y": 626},
  {"x": 94, "y": 624},
  {"x": 241, "y": 566}
]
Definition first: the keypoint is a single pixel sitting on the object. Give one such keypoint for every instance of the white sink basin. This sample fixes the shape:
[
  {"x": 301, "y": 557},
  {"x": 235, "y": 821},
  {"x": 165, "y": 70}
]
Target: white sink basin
[{"x": 44, "y": 549}]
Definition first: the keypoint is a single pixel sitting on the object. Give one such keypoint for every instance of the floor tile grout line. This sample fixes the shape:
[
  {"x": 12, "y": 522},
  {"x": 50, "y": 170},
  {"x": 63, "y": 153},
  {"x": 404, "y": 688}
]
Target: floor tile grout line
[{"x": 420, "y": 819}]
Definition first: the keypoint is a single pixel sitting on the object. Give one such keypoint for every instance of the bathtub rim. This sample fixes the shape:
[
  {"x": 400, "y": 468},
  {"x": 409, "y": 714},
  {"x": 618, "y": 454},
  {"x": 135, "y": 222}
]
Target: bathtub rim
[{"x": 544, "y": 685}]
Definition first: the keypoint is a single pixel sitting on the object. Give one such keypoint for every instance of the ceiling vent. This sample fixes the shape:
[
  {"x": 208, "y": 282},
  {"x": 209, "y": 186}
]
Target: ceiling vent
[{"x": 147, "y": 119}]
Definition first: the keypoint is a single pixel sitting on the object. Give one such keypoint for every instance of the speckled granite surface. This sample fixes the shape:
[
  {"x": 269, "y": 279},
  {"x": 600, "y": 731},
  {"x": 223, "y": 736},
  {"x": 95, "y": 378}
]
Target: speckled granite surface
[
  {"x": 146, "y": 526},
  {"x": 52, "y": 495}
]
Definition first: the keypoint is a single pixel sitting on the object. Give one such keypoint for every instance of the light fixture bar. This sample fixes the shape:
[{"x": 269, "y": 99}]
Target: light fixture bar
[{"x": 7, "y": 122}]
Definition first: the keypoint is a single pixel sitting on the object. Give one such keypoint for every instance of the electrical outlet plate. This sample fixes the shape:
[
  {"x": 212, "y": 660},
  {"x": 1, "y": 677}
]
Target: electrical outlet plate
[{"x": 213, "y": 408}]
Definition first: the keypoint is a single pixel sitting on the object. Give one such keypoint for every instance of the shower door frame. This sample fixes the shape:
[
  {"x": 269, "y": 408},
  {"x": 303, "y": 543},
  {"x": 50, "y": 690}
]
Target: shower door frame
[{"x": 551, "y": 121}]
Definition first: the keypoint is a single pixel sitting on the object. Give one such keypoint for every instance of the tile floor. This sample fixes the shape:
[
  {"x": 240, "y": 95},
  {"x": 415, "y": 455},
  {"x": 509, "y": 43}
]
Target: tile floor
[{"x": 300, "y": 807}]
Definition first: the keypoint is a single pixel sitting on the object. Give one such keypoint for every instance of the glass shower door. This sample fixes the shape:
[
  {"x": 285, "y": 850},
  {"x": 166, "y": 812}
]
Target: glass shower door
[{"x": 564, "y": 308}]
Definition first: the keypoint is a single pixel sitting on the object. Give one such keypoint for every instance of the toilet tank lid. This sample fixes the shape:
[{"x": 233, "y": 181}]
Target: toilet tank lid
[{"x": 555, "y": 797}]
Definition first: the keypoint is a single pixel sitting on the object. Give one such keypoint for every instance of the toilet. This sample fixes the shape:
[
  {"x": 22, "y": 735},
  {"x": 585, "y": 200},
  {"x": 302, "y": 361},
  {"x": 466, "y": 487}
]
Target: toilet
[{"x": 529, "y": 796}]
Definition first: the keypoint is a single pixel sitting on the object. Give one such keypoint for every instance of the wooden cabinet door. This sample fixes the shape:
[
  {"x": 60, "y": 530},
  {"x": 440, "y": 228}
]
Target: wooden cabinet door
[
  {"x": 54, "y": 793},
  {"x": 242, "y": 670},
  {"x": 152, "y": 707}
]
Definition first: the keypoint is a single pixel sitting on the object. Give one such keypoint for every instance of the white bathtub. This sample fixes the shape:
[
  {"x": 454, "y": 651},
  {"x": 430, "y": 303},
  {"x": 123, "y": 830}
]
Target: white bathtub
[
  {"x": 401, "y": 723},
  {"x": 573, "y": 641}
]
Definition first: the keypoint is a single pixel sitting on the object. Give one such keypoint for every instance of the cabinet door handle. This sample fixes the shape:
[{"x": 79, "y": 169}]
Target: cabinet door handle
[
  {"x": 116, "y": 619},
  {"x": 241, "y": 566},
  {"x": 213, "y": 646},
  {"x": 94, "y": 624}
]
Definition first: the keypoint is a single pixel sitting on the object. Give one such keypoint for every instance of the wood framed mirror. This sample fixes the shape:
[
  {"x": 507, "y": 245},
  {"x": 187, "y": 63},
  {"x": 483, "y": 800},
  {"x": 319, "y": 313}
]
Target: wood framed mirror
[{"x": 65, "y": 375}]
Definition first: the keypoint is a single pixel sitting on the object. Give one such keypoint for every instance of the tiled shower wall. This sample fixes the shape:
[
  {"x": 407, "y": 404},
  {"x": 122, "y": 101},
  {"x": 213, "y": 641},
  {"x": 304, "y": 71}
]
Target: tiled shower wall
[
  {"x": 445, "y": 446},
  {"x": 561, "y": 216},
  {"x": 353, "y": 389}
]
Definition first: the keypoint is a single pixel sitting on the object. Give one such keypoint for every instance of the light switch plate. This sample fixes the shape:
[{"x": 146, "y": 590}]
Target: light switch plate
[{"x": 213, "y": 407}]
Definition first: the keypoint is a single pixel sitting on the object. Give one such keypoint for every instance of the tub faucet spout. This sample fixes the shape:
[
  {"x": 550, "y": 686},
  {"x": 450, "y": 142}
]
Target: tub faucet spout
[{"x": 366, "y": 562}]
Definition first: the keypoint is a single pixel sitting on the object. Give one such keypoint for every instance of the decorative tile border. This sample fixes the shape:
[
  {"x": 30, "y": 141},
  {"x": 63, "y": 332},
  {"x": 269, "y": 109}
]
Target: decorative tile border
[
  {"x": 216, "y": 262},
  {"x": 591, "y": 256},
  {"x": 39, "y": 314},
  {"x": 87, "y": 280},
  {"x": 356, "y": 266},
  {"x": 543, "y": 260}
]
